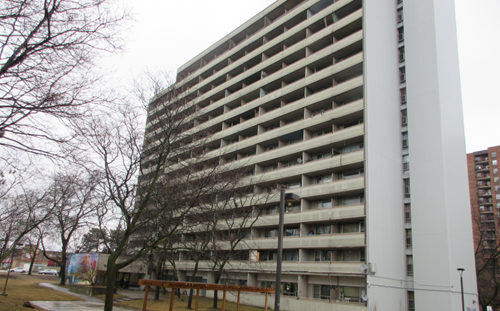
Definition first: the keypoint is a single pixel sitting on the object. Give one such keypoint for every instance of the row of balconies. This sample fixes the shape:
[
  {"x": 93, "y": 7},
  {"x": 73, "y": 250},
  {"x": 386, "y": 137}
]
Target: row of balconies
[
  {"x": 481, "y": 159},
  {"x": 334, "y": 267},
  {"x": 259, "y": 123},
  {"x": 225, "y": 107},
  {"x": 480, "y": 168},
  {"x": 263, "y": 31},
  {"x": 219, "y": 94}
]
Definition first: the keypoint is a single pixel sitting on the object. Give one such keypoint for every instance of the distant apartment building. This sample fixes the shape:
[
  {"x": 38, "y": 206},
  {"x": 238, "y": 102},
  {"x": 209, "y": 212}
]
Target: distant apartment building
[
  {"x": 484, "y": 188},
  {"x": 355, "y": 106}
]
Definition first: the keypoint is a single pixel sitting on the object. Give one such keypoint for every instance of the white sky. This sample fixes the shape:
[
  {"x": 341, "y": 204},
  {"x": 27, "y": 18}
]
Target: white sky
[{"x": 168, "y": 33}]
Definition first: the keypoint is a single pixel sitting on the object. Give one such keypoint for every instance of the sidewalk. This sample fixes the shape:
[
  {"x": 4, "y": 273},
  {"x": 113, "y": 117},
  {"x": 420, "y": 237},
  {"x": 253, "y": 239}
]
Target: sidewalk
[{"x": 89, "y": 303}]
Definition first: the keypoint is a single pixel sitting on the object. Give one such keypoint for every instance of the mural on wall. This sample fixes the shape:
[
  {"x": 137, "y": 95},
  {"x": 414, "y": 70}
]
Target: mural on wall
[{"x": 82, "y": 269}]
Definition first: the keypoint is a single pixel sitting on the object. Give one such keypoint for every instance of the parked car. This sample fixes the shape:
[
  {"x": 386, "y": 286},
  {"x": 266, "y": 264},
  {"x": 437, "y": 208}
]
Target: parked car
[
  {"x": 18, "y": 269},
  {"x": 48, "y": 271}
]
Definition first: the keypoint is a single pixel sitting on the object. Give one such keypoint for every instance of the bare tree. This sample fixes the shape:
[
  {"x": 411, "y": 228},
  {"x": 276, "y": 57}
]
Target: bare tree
[
  {"x": 47, "y": 59},
  {"x": 230, "y": 225},
  {"x": 487, "y": 255},
  {"x": 73, "y": 195},
  {"x": 21, "y": 214},
  {"x": 152, "y": 179}
]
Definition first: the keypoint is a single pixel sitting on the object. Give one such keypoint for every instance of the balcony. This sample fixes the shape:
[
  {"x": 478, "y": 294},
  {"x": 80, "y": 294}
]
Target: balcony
[
  {"x": 350, "y": 212},
  {"x": 323, "y": 241}
]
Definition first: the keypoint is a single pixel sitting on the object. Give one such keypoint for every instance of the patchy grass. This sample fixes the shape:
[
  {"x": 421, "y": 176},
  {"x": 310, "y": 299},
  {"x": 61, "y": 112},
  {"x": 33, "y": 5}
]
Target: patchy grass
[
  {"x": 205, "y": 304},
  {"x": 22, "y": 287}
]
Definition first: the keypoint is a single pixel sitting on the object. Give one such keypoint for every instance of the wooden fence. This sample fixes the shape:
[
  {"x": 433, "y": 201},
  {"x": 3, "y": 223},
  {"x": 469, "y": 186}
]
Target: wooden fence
[{"x": 202, "y": 286}]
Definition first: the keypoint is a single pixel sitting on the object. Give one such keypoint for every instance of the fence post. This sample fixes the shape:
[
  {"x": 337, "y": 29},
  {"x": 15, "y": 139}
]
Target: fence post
[
  {"x": 145, "y": 298},
  {"x": 172, "y": 296}
]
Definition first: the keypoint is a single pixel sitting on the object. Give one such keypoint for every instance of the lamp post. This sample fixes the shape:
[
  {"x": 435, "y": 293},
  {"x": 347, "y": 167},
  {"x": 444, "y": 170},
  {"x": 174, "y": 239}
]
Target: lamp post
[
  {"x": 461, "y": 271},
  {"x": 283, "y": 197}
]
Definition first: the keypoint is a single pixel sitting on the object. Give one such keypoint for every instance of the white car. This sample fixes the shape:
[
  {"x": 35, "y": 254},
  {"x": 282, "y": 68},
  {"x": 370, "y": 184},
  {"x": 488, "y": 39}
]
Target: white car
[
  {"x": 18, "y": 269},
  {"x": 48, "y": 271}
]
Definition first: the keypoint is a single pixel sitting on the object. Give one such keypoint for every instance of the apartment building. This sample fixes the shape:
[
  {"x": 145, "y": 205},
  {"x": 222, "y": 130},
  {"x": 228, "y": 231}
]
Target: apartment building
[
  {"x": 355, "y": 106},
  {"x": 485, "y": 196}
]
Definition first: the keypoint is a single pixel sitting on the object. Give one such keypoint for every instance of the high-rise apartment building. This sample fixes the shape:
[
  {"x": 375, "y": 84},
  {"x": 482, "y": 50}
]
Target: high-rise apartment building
[
  {"x": 484, "y": 188},
  {"x": 355, "y": 106}
]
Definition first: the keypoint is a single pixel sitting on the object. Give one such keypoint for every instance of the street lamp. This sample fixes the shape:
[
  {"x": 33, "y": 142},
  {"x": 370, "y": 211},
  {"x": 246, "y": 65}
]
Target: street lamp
[
  {"x": 283, "y": 197},
  {"x": 461, "y": 271}
]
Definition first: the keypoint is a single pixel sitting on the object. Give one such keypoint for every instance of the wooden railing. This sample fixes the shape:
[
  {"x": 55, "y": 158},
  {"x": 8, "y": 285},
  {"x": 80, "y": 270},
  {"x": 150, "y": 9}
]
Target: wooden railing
[{"x": 202, "y": 286}]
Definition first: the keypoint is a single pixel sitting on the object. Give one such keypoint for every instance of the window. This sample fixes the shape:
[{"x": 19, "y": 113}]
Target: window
[
  {"x": 402, "y": 75},
  {"x": 411, "y": 301},
  {"x": 407, "y": 213},
  {"x": 294, "y": 184},
  {"x": 494, "y": 162},
  {"x": 269, "y": 233},
  {"x": 352, "y": 148},
  {"x": 292, "y": 231},
  {"x": 291, "y": 255},
  {"x": 324, "y": 179},
  {"x": 402, "y": 54},
  {"x": 409, "y": 265},
  {"x": 495, "y": 171},
  {"x": 322, "y": 155},
  {"x": 405, "y": 140},
  {"x": 400, "y": 15},
  {"x": 320, "y": 255},
  {"x": 408, "y": 239},
  {"x": 402, "y": 92},
  {"x": 323, "y": 229},
  {"x": 481, "y": 191},
  {"x": 406, "y": 164},
  {"x": 325, "y": 292},
  {"x": 401, "y": 34},
  {"x": 268, "y": 284},
  {"x": 494, "y": 154},
  {"x": 404, "y": 118},
  {"x": 353, "y": 174},
  {"x": 267, "y": 256},
  {"x": 270, "y": 210},
  {"x": 350, "y": 228},
  {"x": 289, "y": 289},
  {"x": 292, "y": 208},
  {"x": 407, "y": 188},
  {"x": 325, "y": 203},
  {"x": 272, "y": 147},
  {"x": 353, "y": 200},
  {"x": 351, "y": 255}
]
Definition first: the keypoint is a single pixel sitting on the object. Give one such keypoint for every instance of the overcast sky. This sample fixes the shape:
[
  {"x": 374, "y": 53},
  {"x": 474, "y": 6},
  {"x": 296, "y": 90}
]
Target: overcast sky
[{"x": 168, "y": 33}]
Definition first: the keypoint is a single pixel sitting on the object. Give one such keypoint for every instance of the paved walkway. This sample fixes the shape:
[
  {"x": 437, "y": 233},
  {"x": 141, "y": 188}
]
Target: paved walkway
[
  {"x": 73, "y": 306},
  {"x": 89, "y": 303}
]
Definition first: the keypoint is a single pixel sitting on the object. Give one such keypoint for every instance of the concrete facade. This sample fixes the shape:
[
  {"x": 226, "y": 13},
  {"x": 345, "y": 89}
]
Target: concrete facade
[{"x": 338, "y": 99}]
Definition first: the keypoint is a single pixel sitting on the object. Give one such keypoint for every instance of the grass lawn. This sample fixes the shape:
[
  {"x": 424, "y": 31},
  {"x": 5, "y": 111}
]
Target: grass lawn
[
  {"x": 22, "y": 287},
  {"x": 205, "y": 304}
]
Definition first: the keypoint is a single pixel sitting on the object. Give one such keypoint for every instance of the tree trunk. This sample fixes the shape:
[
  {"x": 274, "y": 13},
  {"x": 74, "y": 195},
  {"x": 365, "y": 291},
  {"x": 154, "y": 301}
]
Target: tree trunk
[
  {"x": 216, "y": 298},
  {"x": 33, "y": 258},
  {"x": 193, "y": 279},
  {"x": 62, "y": 272},
  {"x": 110, "y": 283}
]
